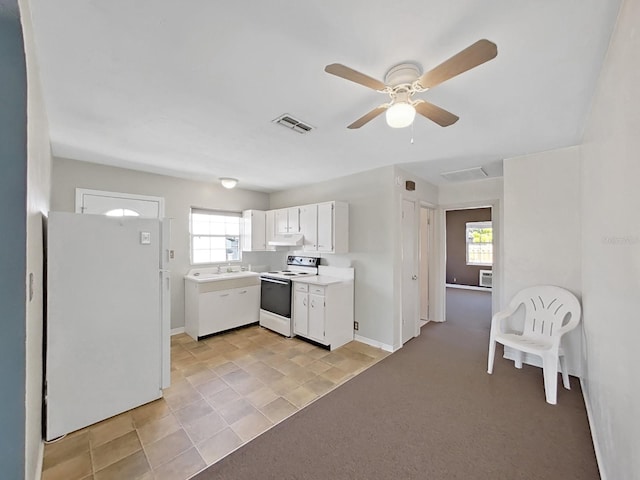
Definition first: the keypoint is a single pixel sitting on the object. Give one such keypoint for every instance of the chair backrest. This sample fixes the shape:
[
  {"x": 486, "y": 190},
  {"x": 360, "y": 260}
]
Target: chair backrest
[{"x": 546, "y": 308}]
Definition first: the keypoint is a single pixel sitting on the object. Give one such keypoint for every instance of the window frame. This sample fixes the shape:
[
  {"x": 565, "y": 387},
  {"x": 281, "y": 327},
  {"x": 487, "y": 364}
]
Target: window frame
[
  {"x": 478, "y": 225},
  {"x": 226, "y": 236}
]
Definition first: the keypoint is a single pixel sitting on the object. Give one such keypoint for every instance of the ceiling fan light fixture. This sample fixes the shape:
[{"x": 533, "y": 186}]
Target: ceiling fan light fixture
[
  {"x": 228, "y": 182},
  {"x": 400, "y": 115}
]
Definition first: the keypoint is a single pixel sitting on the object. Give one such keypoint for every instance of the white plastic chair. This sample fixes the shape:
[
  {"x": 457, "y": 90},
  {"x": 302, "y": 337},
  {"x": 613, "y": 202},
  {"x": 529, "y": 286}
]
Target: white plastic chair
[{"x": 550, "y": 312}]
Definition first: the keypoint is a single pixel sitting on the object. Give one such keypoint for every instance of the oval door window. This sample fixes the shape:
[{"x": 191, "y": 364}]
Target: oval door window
[{"x": 122, "y": 212}]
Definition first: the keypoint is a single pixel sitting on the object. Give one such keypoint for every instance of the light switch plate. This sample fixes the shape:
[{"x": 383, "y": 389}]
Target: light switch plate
[{"x": 145, "y": 238}]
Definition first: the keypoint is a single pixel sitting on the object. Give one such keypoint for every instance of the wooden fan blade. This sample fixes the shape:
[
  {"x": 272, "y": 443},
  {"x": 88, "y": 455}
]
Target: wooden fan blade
[
  {"x": 368, "y": 117},
  {"x": 347, "y": 73},
  {"x": 480, "y": 52},
  {"x": 436, "y": 114}
]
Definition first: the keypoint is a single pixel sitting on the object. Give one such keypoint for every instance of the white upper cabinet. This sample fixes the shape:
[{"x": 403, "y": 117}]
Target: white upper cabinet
[
  {"x": 287, "y": 220},
  {"x": 254, "y": 231},
  {"x": 325, "y": 227},
  {"x": 327, "y": 231},
  {"x": 270, "y": 227},
  {"x": 309, "y": 227}
]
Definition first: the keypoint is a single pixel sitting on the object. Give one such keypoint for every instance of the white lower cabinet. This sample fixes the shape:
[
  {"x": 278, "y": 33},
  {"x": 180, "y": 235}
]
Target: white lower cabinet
[
  {"x": 212, "y": 307},
  {"x": 324, "y": 313}
]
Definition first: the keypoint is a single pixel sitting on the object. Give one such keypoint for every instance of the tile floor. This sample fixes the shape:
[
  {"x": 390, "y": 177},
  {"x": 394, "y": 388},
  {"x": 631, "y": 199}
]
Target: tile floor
[{"x": 225, "y": 390}]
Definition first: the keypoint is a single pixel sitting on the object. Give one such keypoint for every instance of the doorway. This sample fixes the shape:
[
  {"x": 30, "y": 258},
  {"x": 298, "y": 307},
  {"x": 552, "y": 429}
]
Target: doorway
[
  {"x": 425, "y": 242},
  {"x": 409, "y": 288},
  {"x": 468, "y": 267}
]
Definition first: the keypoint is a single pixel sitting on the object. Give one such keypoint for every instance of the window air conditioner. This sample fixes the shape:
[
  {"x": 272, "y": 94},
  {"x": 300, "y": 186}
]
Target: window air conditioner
[{"x": 486, "y": 278}]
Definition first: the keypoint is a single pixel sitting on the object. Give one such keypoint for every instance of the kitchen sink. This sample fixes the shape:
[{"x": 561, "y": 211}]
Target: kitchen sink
[{"x": 203, "y": 277}]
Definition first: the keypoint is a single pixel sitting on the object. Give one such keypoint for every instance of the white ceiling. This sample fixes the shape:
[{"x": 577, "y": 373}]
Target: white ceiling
[{"x": 189, "y": 88}]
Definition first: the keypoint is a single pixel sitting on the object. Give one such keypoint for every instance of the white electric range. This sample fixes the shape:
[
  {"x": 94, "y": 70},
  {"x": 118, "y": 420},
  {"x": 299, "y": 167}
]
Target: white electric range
[{"x": 275, "y": 299}]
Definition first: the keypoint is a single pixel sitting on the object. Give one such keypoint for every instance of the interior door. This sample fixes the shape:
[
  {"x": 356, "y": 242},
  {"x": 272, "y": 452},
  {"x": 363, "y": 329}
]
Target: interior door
[
  {"x": 426, "y": 215},
  {"x": 410, "y": 297}
]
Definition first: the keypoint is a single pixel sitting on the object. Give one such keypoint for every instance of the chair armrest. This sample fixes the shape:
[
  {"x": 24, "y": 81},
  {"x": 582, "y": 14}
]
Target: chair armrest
[{"x": 498, "y": 318}]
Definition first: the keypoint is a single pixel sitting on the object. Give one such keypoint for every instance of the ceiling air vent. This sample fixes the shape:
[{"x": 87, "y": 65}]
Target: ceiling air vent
[
  {"x": 475, "y": 173},
  {"x": 294, "y": 124}
]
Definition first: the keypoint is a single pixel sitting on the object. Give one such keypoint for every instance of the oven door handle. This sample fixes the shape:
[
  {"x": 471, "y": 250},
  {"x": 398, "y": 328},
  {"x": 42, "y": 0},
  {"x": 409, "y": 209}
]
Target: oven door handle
[{"x": 272, "y": 280}]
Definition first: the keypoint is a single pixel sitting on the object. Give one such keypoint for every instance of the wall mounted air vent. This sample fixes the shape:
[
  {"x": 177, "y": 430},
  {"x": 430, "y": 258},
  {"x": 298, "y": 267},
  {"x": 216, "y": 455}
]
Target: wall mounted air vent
[
  {"x": 475, "y": 173},
  {"x": 294, "y": 124}
]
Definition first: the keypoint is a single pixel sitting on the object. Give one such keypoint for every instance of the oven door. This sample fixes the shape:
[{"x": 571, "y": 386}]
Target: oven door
[{"x": 276, "y": 296}]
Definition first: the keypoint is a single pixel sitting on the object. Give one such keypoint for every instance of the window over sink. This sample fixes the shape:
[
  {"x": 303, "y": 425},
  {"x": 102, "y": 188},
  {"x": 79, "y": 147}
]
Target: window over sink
[{"x": 215, "y": 236}]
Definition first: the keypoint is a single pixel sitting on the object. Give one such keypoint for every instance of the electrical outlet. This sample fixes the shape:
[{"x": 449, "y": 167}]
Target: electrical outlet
[{"x": 356, "y": 325}]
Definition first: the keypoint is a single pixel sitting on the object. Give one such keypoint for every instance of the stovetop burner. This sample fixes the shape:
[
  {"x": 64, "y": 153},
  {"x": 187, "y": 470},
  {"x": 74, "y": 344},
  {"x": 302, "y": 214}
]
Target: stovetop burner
[{"x": 296, "y": 266}]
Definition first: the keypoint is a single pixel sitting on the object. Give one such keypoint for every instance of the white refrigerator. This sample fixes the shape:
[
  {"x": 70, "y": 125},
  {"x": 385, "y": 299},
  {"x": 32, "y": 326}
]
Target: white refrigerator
[{"x": 107, "y": 344}]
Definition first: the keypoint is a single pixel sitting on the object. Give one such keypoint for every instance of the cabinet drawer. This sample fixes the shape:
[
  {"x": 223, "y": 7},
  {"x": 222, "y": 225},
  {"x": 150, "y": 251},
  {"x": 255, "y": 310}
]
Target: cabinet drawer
[
  {"x": 300, "y": 287},
  {"x": 316, "y": 289}
]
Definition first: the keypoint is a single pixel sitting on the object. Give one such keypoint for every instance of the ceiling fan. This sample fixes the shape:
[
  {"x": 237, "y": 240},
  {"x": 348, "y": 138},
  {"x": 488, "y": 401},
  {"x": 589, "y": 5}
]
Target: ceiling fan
[{"x": 403, "y": 81}]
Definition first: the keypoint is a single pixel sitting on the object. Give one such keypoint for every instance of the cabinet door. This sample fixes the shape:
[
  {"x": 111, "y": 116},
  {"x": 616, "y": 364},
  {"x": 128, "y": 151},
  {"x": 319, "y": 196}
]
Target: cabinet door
[
  {"x": 282, "y": 222},
  {"x": 254, "y": 231},
  {"x": 300, "y": 313},
  {"x": 246, "y": 305},
  {"x": 215, "y": 310},
  {"x": 294, "y": 219},
  {"x": 325, "y": 227},
  {"x": 270, "y": 228},
  {"x": 309, "y": 227},
  {"x": 316, "y": 316}
]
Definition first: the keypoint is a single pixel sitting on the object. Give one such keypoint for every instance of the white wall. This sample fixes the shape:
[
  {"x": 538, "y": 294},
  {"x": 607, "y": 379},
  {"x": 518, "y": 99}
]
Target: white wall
[
  {"x": 470, "y": 192},
  {"x": 375, "y": 200},
  {"x": 38, "y": 193},
  {"x": 371, "y": 220},
  {"x": 13, "y": 193},
  {"x": 611, "y": 253},
  {"x": 179, "y": 194},
  {"x": 542, "y": 230},
  {"x": 424, "y": 193}
]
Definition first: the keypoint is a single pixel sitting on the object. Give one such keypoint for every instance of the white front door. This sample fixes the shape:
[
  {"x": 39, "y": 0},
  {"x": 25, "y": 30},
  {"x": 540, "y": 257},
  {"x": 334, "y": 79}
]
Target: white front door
[
  {"x": 112, "y": 203},
  {"x": 410, "y": 297}
]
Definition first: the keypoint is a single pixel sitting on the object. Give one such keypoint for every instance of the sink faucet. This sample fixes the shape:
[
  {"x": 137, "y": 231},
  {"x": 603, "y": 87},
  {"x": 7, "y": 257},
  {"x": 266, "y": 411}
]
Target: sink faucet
[{"x": 229, "y": 269}]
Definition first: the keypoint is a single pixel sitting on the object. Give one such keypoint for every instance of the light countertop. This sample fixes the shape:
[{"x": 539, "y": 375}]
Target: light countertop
[
  {"x": 319, "y": 280},
  {"x": 206, "y": 277}
]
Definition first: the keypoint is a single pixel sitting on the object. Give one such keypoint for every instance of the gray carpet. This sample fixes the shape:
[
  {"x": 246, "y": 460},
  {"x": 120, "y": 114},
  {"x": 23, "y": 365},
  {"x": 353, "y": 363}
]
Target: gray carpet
[{"x": 429, "y": 411}]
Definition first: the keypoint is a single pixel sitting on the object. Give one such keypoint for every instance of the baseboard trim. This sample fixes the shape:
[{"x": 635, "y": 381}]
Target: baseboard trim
[
  {"x": 594, "y": 439},
  {"x": 177, "y": 331},
  {"x": 374, "y": 343}
]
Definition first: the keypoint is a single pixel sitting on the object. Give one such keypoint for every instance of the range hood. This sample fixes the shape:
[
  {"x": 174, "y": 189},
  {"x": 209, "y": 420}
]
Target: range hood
[{"x": 287, "y": 240}]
